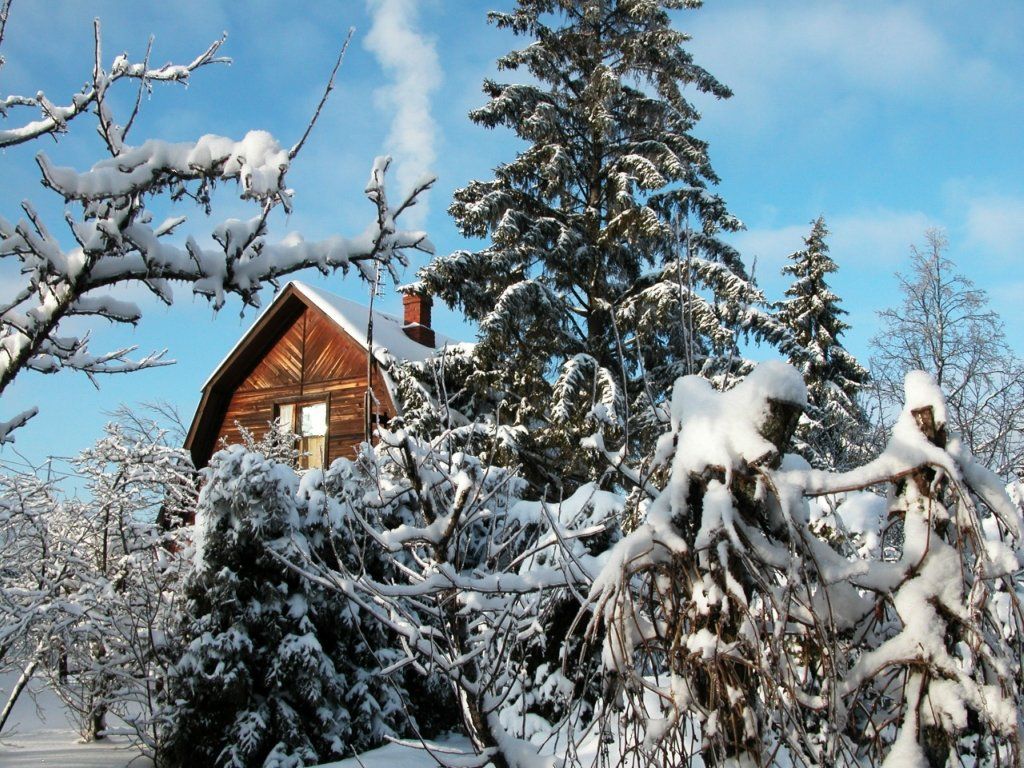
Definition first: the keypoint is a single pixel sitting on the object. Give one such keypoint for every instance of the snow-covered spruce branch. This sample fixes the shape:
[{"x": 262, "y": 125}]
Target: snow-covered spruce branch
[{"x": 332, "y": 682}]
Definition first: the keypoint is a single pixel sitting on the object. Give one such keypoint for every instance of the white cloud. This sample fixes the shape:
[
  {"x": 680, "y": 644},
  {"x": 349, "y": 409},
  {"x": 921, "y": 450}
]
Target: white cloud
[
  {"x": 778, "y": 55},
  {"x": 880, "y": 238},
  {"x": 769, "y": 247},
  {"x": 412, "y": 63},
  {"x": 860, "y": 243},
  {"x": 994, "y": 225}
]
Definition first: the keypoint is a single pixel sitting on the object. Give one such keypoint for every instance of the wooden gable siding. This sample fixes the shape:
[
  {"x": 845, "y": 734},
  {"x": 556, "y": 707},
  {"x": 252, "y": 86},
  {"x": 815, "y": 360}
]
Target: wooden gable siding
[
  {"x": 312, "y": 360},
  {"x": 326, "y": 358},
  {"x": 282, "y": 365}
]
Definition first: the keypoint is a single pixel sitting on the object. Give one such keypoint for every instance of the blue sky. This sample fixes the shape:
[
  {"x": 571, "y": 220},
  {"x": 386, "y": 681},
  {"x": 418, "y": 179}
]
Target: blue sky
[{"x": 886, "y": 117}]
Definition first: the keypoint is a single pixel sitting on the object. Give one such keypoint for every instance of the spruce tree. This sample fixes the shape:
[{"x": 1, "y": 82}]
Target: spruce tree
[
  {"x": 829, "y": 433},
  {"x": 604, "y": 278},
  {"x": 275, "y": 671}
]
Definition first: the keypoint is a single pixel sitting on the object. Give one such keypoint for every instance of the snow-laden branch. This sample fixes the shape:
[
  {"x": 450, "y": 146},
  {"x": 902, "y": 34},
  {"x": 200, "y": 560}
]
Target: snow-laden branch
[
  {"x": 7, "y": 427},
  {"x": 769, "y": 631},
  {"x": 54, "y": 118},
  {"x": 117, "y": 244},
  {"x": 256, "y": 162}
]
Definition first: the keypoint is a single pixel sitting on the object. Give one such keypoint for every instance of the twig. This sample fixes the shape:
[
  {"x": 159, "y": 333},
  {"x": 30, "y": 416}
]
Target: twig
[
  {"x": 143, "y": 84},
  {"x": 323, "y": 99},
  {"x": 5, "y": 10},
  {"x": 55, "y": 117}
]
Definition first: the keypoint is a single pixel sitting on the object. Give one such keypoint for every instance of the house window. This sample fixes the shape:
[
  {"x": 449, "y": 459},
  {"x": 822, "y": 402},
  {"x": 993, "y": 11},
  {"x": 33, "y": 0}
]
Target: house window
[
  {"x": 286, "y": 417},
  {"x": 312, "y": 431},
  {"x": 308, "y": 421}
]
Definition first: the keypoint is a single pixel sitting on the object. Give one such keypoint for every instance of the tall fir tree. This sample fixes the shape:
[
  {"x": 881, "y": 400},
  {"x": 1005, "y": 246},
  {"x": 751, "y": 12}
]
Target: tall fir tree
[
  {"x": 605, "y": 277},
  {"x": 830, "y": 432}
]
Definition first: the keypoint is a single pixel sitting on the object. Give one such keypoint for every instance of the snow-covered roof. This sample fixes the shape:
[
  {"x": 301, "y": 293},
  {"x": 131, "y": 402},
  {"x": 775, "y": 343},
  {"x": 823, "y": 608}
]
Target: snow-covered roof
[{"x": 389, "y": 338}]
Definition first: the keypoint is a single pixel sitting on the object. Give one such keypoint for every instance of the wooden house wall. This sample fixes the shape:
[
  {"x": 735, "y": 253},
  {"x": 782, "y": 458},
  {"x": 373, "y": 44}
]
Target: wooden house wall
[{"x": 313, "y": 360}]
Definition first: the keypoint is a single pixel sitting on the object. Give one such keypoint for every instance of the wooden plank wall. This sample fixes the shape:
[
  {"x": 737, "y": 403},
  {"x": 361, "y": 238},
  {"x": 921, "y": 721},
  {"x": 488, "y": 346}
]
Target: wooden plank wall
[{"x": 312, "y": 359}]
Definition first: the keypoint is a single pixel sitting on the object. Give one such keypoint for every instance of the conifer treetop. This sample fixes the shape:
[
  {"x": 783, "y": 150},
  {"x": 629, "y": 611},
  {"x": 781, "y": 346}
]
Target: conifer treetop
[
  {"x": 604, "y": 277},
  {"x": 834, "y": 377},
  {"x": 577, "y": 217}
]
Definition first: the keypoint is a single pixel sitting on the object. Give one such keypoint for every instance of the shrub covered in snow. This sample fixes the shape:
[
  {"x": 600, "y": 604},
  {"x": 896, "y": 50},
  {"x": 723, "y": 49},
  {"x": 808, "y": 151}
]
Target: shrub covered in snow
[
  {"x": 486, "y": 589},
  {"x": 734, "y": 630},
  {"x": 759, "y": 612},
  {"x": 275, "y": 670}
]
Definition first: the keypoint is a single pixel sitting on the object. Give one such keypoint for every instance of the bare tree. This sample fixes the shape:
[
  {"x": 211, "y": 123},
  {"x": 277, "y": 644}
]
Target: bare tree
[
  {"x": 944, "y": 325},
  {"x": 87, "y": 585},
  {"x": 116, "y": 635},
  {"x": 36, "y": 565}
]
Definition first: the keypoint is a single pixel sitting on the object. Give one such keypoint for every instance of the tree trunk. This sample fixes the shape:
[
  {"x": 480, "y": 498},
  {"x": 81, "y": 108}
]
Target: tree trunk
[
  {"x": 19, "y": 686},
  {"x": 935, "y": 742}
]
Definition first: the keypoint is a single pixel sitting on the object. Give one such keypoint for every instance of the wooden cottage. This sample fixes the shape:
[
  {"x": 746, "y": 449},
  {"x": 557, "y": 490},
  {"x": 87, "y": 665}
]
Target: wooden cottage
[{"x": 304, "y": 365}]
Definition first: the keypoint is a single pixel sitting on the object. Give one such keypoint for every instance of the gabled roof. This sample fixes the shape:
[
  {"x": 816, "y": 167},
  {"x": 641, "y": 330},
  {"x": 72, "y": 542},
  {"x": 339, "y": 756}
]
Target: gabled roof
[
  {"x": 388, "y": 336},
  {"x": 390, "y": 342}
]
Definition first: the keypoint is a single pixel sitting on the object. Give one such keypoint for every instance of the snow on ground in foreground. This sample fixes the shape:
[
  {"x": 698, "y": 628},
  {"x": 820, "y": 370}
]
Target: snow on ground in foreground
[
  {"x": 61, "y": 749},
  {"x": 39, "y": 733},
  {"x": 401, "y": 756}
]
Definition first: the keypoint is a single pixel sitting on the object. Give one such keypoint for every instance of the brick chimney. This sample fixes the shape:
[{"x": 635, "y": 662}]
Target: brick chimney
[{"x": 417, "y": 318}]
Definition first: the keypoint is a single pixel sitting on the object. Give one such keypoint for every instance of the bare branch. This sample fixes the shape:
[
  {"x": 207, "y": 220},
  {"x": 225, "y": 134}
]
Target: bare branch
[
  {"x": 55, "y": 118},
  {"x": 323, "y": 99},
  {"x": 143, "y": 87}
]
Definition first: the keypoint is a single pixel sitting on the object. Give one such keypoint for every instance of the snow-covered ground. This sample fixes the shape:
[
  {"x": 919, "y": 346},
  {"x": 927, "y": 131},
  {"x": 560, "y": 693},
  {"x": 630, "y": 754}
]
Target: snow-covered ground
[
  {"x": 401, "y": 756},
  {"x": 39, "y": 733},
  {"x": 60, "y": 747}
]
